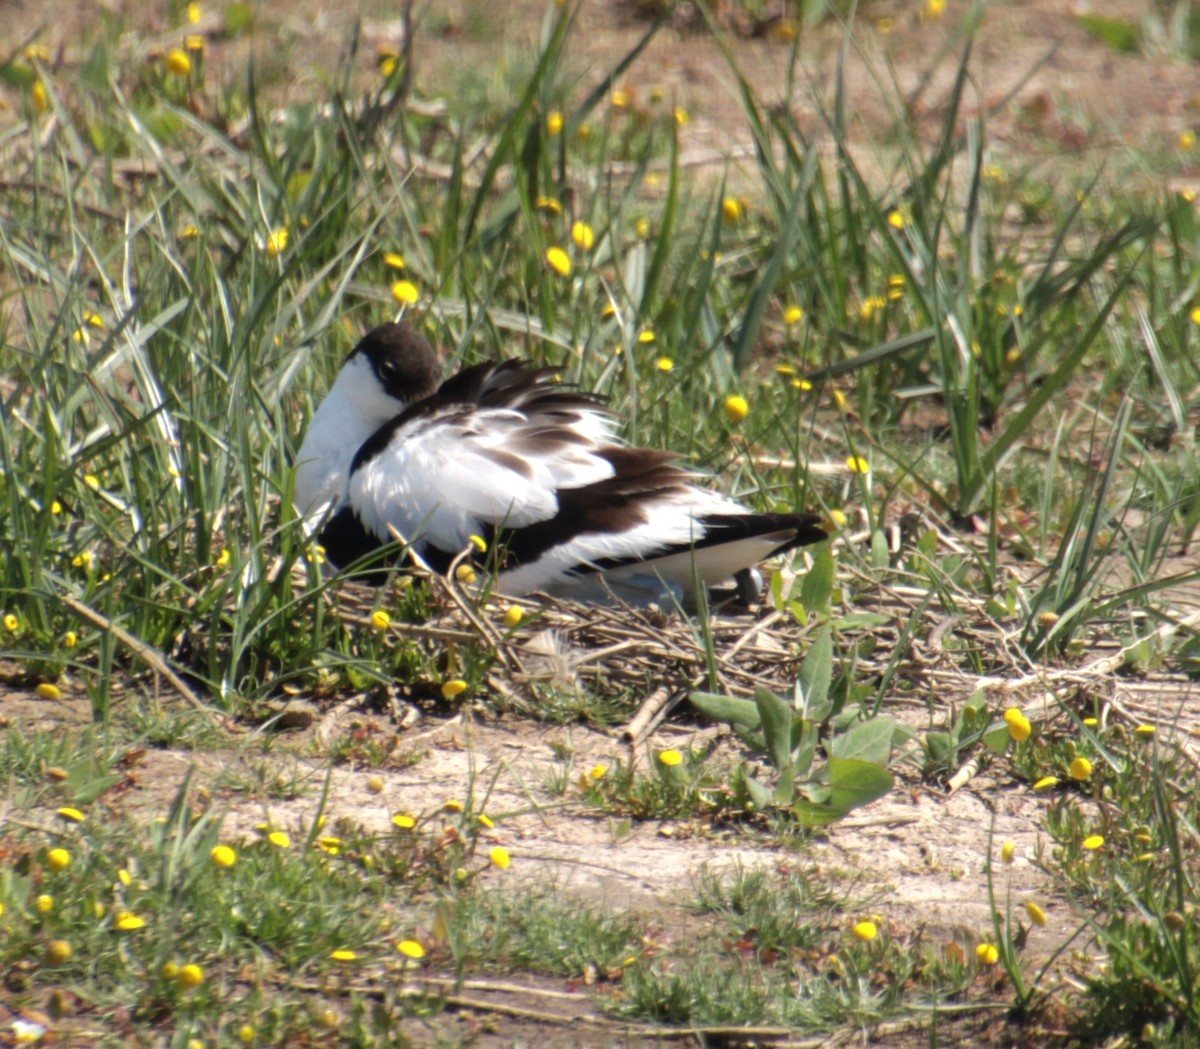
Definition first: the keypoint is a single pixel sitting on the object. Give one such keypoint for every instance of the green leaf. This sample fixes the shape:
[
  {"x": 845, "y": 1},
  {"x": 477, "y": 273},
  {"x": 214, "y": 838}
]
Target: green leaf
[
  {"x": 815, "y": 814},
  {"x": 816, "y": 674},
  {"x": 817, "y": 587},
  {"x": 777, "y": 727},
  {"x": 854, "y": 783},
  {"x": 869, "y": 741},
  {"x": 741, "y": 713},
  {"x": 996, "y": 739},
  {"x": 1119, "y": 34}
]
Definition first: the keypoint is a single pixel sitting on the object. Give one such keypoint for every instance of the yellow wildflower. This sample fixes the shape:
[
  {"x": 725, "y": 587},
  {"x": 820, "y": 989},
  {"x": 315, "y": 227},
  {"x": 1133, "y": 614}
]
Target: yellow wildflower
[
  {"x": 224, "y": 558},
  {"x": 223, "y": 856},
  {"x": 856, "y": 464},
  {"x": 1036, "y": 914},
  {"x": 44, "y": 904},
  {"x": 276, "y": 242},
  {"x": 1046, "y": 783},
  {"x": 554, "y": 122},
  {"x": 126, "y": 921},
  {"x": 411, "y": 949},
  {"x": 58, "y": 952},
  {"x": 500, "y": 857},
  {"x": 513, "y": 616},
  {"x": 793, "y": 315},
  {"x": 681, "y": 116},
  {"x": 559, "y": 261},
  {"x": 1187, "y": 139},
  {"x": 58, "y": 859},
  {"x": 866, "y": 930},
  {"x": 41, "y": 99},
  {"x": 1006, "y": 851},
  {"x": 987, "y": 954},
  {"x": 621, "y": 99},
  {"x": 193, "y": 13},
  {"x": 731, "y": 209},
  {"x": 177, "y": 62},
  {"x": 548, "y": 204},
  {"x": 280, "y": 839},
  {"x": 405, "y": 292},
  {"x": 343, "y": 956},
  {"x": 1093, "y": 842},
  {"x": 48, "y": 691},
  {"x": 404, "y": 821},
  {"x": 393, "y": 260},
  {"x": 583, "y": 235},
  {"x": 736, "y": 407},
  {"x": 71, "y": 815},
  {"x": 670, "y": 758},
  {"x": 664, "y": 364},
  {"x": 895, "y": 219},
  {"x": 1081, "y": 769},
  {"x": 380, "y": 620},
  {"x": 1019, "y": 726},
  {"x": 190, "y": 976},
  {"x": 646, "y": 337},
  {"x": 453, "y": 688}
]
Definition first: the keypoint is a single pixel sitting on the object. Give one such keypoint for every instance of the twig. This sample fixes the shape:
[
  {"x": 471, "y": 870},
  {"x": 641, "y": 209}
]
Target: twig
[
  {"x": 148, "y": 655},
  {"x": 653, "y": 709}
]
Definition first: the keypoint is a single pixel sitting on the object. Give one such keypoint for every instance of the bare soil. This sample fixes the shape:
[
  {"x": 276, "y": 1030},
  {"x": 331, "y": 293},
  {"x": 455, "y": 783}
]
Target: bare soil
[{"x": 1064, "y": 99}]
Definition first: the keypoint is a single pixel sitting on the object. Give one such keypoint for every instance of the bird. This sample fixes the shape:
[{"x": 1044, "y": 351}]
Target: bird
[{"x": 507, "y": 456}]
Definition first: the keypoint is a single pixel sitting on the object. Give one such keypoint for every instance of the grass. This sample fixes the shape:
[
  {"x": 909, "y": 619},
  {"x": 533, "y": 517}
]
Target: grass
[{"x": 1002, "y": 357}]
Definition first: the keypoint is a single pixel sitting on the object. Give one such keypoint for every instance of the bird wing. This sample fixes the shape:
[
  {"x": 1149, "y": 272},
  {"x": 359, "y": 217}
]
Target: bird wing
[{"x": 452, "y": 470}]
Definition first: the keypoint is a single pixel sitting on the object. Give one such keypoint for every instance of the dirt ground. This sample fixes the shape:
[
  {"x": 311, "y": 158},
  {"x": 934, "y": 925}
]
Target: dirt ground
[{"x": 1066, "y": 100}]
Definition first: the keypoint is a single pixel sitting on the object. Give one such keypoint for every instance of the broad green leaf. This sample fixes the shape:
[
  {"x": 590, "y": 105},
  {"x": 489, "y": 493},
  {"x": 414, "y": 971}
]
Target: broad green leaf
[
  {"x": 996, "y": 739},
  {"x": 854, "y": 783},
  {"x": 730, "y": 710},
  {"x": 817, "y": 587},
  {"x": 815, "y": 814},
  {"x": 777, "y": 727},
  {"x": 816, "y": 673},
  {"x": 869, "y": 741}
]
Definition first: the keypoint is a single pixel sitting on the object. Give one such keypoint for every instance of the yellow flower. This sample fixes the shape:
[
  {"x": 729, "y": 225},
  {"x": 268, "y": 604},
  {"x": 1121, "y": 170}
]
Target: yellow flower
[
  {"x": 393, "y": 260},
  {"x": 11, "y": 623},
  {"x": 1091, "y": 722},
  {"x": 1081, "y": 769},
  {"x": 177, "y": 62},
  {"x": 41, "y": 100},
  {"x": 37, "y": 52},
  {"x": 343, "y": 956},
  {"x": 44, "y": 904},
  {"x": 58, "y": 859},
  {"x": 276, "y": 242},
  {"x": 487, "y": 821},
  {"x": 404, "y": 821},
  {"x": 1036, "y": 914},
  {"x": 856, "y": 464},
  {"x": 478, "y": 542},
  {"x": 646, "y": 337},
  {"x": 124, "y": 877},
  {"x": 1187, "y": 139},
  {"x": 731, "y": 209},
  {"x": 70, "y": 639},
  {"x": 190, "y": 230},
  {"x": 513, "y": 616},
  {"x": 895, "y": 219},
  {"x": 190, "y": 976},
  {"x": 83, "y": 559},
  {"x": 465, "y": 574},
  {"x": 246, "y": 1034},
  {"x": 375, "y": 784},
  {"x": 1144, "y": 730},
  {"x": 193, "y": 43},
  {"x": 1006, "y": 851},
  {"x": 58, "y": 952},
  {"x": 388, "y": 65},
  {"x": 839, "y": 400},
  {"x": 48, "y": 691},
  {"x": 838, "y": 518},
  {"x": 1018, "y": 724},
  {"x": 548, "y": 204},
  {"x": 169, "y": 970},
  {"x": 621, "y": 99},
  {"x": 411, "y": 949},
  {"x": 736, "y": 407},
  {"x": 559, "y": 261},
  {"x": 866, "y": 930},
  {"x": 1046, "y": 783},
  {"x": 642, "y": 228},
  {"x": 598, "y": 771},
  {"x": 664, "y": 364},
  {"x": 500, "y": 857},
  {"x": 405, "y": 292},
  {"x": 330, "y": 845},
  {"x": 681, "y": 116},
  {"x": 1196, "y": 315},
  {"x": 126, "y": 921},
  {"x": 315, "y": 554},
  {"x": 987, "y": 954},
  {"x": 55, "y": 507},
  {"x": 554, "y": 122},
  {"x": 670, "y": 758},
  {"x": 224, "y": 558},
  {"x": 453, "y": 688},
  {"x": 583, "y": 132},
  {"x": 193, "y": 13},
  {"x": 223, "y": 856},
  {"x": 71, "y": 815},
  {"x": 1093, "y": 842},
  {"x": 380, "y": 620},
  {"x": 583, "y": 235},
  {"x": 280, "y": 839},
  {"x": 793, "y": 315},
  {"x": 935, "y": 8}
]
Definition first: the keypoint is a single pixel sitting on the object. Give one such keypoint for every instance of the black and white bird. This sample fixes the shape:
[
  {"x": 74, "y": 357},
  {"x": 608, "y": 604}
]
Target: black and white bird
[{"x": 506, "y": 452}]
